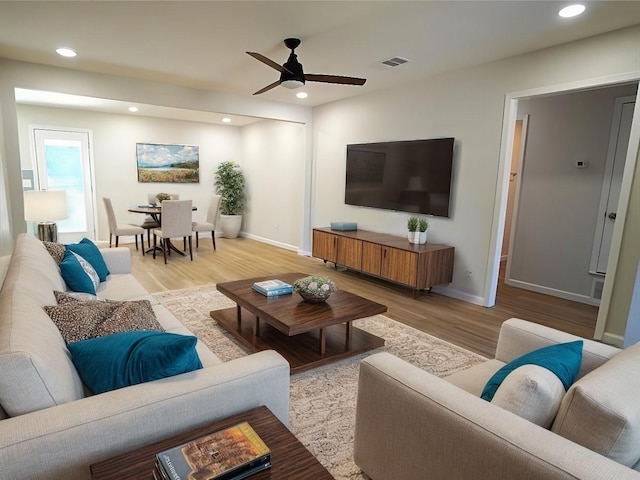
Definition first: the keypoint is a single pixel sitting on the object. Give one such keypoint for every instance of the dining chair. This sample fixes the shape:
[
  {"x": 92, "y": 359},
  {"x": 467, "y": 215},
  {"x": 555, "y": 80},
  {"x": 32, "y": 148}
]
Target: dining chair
[
  {"x": 210, "y": 224},
  {"x": 118, "y": 229},
  {"x": 175, "y": 222}
]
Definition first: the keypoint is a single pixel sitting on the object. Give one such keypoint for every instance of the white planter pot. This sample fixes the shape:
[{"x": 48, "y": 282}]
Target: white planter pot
[
  {"x": 417, "y": 237},
  {"x": 230, "y": 225}
]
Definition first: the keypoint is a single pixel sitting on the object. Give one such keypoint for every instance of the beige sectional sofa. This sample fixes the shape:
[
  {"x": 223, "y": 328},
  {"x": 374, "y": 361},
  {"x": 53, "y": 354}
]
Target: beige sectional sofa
[
  {"x": 411, "y": 424},
  {"x": 51, "y": 428}
]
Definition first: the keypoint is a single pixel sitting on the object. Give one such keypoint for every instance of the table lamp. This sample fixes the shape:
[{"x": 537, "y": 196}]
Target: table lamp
[{"x": 44, "y": 207}]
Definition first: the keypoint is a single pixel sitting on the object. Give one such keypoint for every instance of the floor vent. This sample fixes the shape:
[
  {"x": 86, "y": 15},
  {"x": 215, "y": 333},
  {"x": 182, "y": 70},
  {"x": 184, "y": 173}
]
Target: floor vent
[
  {"x": 596, "y": 289},
  {"x": 395, "y": 61}
]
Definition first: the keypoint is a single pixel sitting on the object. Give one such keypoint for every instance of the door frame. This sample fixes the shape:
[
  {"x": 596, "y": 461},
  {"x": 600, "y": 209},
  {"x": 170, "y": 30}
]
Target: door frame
[
  {"x": 606, "y": 182},
  {"x": 500, "y": 202},
  {"x": 91, "y": 177}
]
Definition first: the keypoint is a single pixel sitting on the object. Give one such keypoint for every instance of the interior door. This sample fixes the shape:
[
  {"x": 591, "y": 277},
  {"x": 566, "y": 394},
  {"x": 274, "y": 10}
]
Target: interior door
[
  {"x": 610, "y": 196},
  {"x": 63, "y": 162}
]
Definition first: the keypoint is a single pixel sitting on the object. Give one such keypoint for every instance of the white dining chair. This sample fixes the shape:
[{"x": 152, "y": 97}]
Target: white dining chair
[
  {"x": 119, "y": 229},
  {"x": 210, "y": 224},
  {"x": 175, "y": 222}
]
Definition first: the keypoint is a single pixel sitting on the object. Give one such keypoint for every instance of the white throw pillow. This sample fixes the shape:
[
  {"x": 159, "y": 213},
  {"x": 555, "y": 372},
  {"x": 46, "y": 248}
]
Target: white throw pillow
[{"x": 531, "y": 392}]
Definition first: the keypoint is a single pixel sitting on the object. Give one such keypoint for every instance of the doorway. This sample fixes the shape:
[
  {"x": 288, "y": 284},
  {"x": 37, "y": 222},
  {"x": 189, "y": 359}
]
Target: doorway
[
  {"x": 62, "y": 160},
  {"x": 510, "y": 116}
]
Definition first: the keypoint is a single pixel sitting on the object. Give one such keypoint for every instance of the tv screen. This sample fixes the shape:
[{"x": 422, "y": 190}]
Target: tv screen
[{"x": 409, "y": 176}]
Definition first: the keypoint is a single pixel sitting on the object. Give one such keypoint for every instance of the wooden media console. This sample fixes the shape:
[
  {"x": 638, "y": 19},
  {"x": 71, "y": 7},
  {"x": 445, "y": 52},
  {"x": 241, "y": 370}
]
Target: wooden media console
[{"x": 386, "y": 256}]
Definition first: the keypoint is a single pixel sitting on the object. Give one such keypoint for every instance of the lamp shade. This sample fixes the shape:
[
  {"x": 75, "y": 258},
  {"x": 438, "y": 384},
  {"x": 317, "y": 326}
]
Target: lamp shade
[{"x": 45, "y": 206}]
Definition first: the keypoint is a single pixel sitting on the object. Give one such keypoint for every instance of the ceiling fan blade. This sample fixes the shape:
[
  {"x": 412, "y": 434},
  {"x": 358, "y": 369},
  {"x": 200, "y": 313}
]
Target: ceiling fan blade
[
  {"x": 268, "y": 61},
  {"x": 268, "y": 87},
  {"x": 312, "y": 77}
]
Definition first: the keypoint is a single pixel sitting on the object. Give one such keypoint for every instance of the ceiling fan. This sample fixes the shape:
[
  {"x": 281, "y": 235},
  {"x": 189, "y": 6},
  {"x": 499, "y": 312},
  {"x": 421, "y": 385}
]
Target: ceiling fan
[{"x": 292, "y": 75}]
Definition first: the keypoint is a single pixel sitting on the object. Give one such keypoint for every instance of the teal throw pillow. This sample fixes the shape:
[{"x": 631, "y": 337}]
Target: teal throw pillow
[
  {"x": 91, "y": 253},
  {"x": 123, "y": 359},
  {"x": 563, "y": 359},
  {"x": 78, "y": 274}
]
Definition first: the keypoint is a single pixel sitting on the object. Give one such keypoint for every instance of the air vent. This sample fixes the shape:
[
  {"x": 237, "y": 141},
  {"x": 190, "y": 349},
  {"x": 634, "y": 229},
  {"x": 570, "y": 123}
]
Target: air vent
[{"x": 395, "y": 61}]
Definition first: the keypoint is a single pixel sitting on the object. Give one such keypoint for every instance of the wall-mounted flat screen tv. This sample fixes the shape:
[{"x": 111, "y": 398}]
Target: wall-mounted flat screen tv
[{"x": 408, "y": 176}]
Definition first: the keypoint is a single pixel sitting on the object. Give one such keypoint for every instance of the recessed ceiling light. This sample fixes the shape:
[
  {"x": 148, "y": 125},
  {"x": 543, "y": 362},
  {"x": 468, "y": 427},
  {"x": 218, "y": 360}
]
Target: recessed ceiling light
[
  {"x": 302, "y": 95},
  {"x": 133, "y": 109},
  {"x": 571, "y": 10},
  {"x": 66, "y": 52},
  {"x": 226, "y": 120}
]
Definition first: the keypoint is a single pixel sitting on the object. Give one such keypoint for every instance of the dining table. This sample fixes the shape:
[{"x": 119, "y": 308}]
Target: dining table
[{"x": 155, "y": 212}]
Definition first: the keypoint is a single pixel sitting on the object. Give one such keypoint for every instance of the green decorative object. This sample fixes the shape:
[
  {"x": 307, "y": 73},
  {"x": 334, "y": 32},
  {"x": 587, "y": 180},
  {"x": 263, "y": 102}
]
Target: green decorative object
[
  {"x": 412, "y": 224},
  {"x": 314, "y": 289},
  {"x": 230, "y": 185},
  {"x": 161, "y": 197},
  {"x": 423, "y": 224}
]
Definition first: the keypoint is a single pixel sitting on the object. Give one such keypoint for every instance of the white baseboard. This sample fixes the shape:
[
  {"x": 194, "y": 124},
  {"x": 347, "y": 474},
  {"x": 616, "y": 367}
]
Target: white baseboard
[
  {"x": 613, "y": 339},
  {"x": 460, "y": 295},
  {"x": 286, "y": 246},
  {"x": 575, "y": 297}
]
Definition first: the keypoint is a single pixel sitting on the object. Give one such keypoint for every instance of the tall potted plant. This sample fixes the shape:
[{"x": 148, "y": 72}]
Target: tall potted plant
[{"x": 230, "y": 184}]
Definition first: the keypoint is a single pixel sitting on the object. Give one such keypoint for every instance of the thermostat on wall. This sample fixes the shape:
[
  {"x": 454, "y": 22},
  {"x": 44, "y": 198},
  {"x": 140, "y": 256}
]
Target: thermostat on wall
[{"x": 582, "y": 164}]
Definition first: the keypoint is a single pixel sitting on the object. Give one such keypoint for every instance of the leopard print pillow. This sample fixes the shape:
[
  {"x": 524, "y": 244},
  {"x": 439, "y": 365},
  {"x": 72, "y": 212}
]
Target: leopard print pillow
[
  {"x": 56, "y": 250},
  {"x": 90, "y": 319}
]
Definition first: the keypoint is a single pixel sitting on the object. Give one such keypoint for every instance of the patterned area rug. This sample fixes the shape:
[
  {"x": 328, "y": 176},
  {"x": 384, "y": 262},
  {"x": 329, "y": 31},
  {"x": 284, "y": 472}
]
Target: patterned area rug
[{"x": 323, "y": 399}]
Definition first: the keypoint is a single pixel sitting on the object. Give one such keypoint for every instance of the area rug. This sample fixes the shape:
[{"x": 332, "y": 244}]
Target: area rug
[{"x": 323, "y": 400}]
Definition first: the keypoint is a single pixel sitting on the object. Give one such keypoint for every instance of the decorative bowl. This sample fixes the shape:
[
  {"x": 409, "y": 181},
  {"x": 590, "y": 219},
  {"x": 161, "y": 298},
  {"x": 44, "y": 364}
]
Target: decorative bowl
[
  {"x": 314, "y": 289},
  {"x": 314, "y": 298}
]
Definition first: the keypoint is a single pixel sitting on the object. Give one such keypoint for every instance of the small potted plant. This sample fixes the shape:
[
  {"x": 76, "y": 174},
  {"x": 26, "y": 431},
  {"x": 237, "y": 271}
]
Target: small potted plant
[
  {"x": 230, "y": 183},
  {"x": 412, "y": 225},
  {"x": 161, "y": 197},
  {"x": 423, "y": 225}
]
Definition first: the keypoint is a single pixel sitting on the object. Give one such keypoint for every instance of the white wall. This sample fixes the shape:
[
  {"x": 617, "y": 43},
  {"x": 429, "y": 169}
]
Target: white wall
[
  {"x": 15, "y": 74},
  {"x": 558, "y": 204},
  {"x": 467, "y": 105},
  {"x": 274, "y": 164},
  {"x": 114, "y": 151}
]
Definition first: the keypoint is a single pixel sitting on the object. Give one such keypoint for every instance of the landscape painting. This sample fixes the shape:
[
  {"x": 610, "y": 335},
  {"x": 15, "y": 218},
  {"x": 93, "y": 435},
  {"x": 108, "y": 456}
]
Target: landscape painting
[{"x": 159, "y": 163}]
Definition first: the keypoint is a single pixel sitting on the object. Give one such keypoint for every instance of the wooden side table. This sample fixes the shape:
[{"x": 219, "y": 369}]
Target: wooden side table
[{"x": 289, "y": 458}]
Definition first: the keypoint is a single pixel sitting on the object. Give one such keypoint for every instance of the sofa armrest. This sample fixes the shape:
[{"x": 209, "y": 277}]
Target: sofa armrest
[
  {"x": 118, "y": 259},
  {"x": 518, "y": 337},
  {"x": 411, "y": 424},
  {"x": 63, "y": 441}
]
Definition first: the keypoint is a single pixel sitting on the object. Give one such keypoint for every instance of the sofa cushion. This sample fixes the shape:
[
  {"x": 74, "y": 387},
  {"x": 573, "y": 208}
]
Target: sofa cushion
[
  {"x": 531, "y": 392},
  {"x": 601, "y": 411},
  {"x": 72, "y": 297},
  {"x": 91, "y": 253},
  {"x": 83, "y": 320},
  {"x": 562, "y": 359},
  {"x": 78, "y": 274},
  {"x": 130, "y": 358}
]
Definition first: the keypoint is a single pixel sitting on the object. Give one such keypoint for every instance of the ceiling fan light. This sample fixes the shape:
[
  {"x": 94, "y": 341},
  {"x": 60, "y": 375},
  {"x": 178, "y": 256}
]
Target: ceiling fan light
[{"x": 292, "y": 84}]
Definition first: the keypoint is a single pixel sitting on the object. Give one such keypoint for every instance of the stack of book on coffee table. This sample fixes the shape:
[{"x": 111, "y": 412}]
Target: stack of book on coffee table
[
  {"x": 230, "y": 454},
  {"x": 272, "y": 288}
]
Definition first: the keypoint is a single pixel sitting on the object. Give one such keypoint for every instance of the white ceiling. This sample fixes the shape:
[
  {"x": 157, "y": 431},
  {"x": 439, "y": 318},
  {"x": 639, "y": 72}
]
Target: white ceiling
[{"x": 203, "y": 44}]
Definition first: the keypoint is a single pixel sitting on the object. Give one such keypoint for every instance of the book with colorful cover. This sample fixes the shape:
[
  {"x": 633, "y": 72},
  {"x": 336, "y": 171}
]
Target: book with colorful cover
[
  {"x": 230, "y": 454},
  {"x": 272, "y": 288}
]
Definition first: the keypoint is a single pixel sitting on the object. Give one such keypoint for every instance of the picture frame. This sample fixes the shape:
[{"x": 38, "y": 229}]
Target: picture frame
[{"x": 167, "y": 163}]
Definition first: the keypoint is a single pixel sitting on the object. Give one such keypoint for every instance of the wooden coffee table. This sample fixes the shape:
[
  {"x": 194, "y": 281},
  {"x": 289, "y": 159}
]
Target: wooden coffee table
[
  {"x": 289, "y": 458},
  {"x": 306, "y": 334}
]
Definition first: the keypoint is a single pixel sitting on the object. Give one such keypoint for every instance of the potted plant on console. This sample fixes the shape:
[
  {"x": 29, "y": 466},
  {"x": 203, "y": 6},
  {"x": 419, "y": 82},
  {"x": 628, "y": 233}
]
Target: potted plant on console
[
  {"x": 423, "y": 225},
  {"x": 417, "y": 230},
  {"x": 230, "y": 183}
]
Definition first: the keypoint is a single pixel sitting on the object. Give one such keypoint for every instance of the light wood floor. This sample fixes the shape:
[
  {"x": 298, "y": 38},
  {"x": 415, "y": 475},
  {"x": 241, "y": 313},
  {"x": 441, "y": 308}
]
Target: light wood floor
[{"x": 470, "y": 326}]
